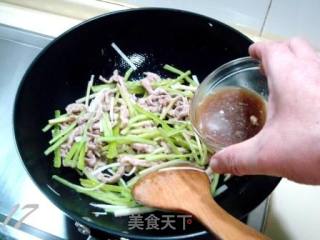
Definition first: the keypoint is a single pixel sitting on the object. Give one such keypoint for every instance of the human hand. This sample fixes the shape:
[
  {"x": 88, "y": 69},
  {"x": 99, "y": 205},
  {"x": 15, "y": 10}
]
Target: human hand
[{"x": 289, "y": 143}]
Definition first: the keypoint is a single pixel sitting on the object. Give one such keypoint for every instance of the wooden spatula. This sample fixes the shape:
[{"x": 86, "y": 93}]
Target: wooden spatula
[{"x": 188, "y": 190}]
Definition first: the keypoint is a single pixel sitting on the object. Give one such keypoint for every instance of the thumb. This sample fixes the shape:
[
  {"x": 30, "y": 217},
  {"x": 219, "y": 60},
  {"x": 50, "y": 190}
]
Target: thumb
[{"x": 238, "y": 159}]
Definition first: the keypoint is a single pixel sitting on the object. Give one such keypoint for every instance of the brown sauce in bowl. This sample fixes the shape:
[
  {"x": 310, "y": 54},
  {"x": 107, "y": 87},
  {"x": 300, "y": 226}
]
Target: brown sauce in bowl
[{"x": 230, "y": 115}]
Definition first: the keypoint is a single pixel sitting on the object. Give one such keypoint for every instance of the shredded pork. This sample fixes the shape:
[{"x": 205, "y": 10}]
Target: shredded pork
[{"x": 105, "y": 103}]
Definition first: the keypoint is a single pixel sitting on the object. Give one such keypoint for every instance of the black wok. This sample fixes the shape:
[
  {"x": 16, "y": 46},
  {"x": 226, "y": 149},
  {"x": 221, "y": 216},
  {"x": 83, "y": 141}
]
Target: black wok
[{"x": 59, "y": 75}]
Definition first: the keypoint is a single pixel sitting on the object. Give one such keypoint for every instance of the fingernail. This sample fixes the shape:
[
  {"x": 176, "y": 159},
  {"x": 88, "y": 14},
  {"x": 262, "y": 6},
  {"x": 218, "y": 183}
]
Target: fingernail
[{"x": 213, "y": 163}]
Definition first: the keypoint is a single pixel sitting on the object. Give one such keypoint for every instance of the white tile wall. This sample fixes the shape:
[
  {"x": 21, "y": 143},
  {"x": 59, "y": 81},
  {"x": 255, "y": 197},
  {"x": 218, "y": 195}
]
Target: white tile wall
[
  {"x": 34, "y": 20},
  {"x": 288, "y": 18},
  {"x": 248, "y": 14}
]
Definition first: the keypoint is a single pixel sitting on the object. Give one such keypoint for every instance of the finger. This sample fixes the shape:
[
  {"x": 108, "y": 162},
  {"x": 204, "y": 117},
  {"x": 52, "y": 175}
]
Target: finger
[
  {"x": 301, "y": 48},
  {"x": 256, "y": 50},
  {"x": 270, "y": 55},
  {"x": 239, "y": 159},
  {"x": 259, "y": 50}
]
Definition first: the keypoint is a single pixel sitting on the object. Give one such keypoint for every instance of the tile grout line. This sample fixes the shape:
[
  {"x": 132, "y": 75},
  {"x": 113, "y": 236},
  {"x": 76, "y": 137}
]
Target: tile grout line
[{"x": 265, "y": 18}]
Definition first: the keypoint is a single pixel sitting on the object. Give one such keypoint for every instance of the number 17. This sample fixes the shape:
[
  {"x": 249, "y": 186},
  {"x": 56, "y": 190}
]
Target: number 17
[{"x": 32, "y": 207}]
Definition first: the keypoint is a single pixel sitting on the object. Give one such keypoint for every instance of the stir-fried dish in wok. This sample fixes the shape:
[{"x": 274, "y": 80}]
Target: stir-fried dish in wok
[{"x": 123, "y": 129}]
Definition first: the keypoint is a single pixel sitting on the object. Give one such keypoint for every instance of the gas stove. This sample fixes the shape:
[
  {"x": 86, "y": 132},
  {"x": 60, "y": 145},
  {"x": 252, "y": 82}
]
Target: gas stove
[{"x": 25, "y": 213}]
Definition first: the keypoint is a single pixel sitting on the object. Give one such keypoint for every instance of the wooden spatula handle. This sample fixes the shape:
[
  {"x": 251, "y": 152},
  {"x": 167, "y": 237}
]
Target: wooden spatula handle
[
  {"x": 188, "y": 190},
  {"x": 222, "y": 224}
]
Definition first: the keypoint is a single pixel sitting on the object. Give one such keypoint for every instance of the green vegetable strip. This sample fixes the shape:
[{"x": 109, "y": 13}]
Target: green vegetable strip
[
  {"x": 167, "y": 82},
  {"x": 136, "y": 119},
  {"x": 107, "y": 207},
  {"x": 76, "y": 156},
  {"x": 150, "y": 134},
  {"x": 60, "y": 119},
  {"x": 152, "y": 116},
  {"x": 128, "y": 74},
  {"x": 184, "y": 87},
  {"x": 140, "y": 124},
  {"x": 185, "y": 75},
  {"x": 133, "y": 84},
  {"x": 191, "y": 148},
  {"x": 158, "y": 150},
  {"x": 106, "y": 125},
  {"x": 67, "y": 160},
  {"x": 56, "y": 145},
  {"x": 205, "y": 153},
  {"x": 126, "y": 98},
  {"x": 57, "y": 113},
  {"x": 107, "y": 197},
  {"x": 132, "y": 87},
  {"x": 47, "y": 128},
  {"x": 122, "y": 183},
  {"x": 159, "y": 157},
  {"x": 179, "y": 72},
  {"x": 176, "y": 132},
  {"x": 91, "y": 183},
  {"x": 201, "y": 160},
  {"x": 63, "y": 133},
  {"x": 137, "y": 131},
  {"x": 134, "y": 122},
  {"x": 214, "y": 183},
  {"x": 146, "y": 133},
  {"x": 172, "y": 69},
  {"x": 127, "y": 139},
  {"x": 169, "y": 141},
  {"x": 196, "y": 80},
  {"x": 97, "y": 193},
  {"x": 82, "y": 153},
  {"x": 193, "y": 142},
  {"x": 112, "y": 147},
  {"x": 135, "y": 87},
  {"x": 178, "y": 92},
  {"x": 135, "y": 125},
  {"x": 179, "y": 141},
  {"x": 57, "y": 152},
  {"x": 168, "y": 108}
]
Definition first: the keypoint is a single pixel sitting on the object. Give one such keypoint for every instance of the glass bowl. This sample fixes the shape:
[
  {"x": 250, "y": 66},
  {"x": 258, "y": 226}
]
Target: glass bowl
[{"x": 243, "y": 73}]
